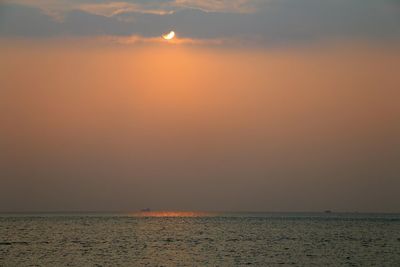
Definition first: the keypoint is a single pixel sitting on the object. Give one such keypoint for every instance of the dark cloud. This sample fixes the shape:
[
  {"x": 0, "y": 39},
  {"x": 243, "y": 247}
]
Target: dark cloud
[{"x": 276, "y": 22}]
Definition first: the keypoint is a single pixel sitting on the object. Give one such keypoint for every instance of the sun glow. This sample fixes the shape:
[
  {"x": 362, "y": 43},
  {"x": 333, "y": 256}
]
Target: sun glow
[{"x": 169, "y": 36}]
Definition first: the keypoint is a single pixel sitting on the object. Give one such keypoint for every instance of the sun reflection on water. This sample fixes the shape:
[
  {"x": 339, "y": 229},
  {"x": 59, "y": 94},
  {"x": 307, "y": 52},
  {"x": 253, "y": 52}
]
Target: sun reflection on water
[{"x": 172, "y": 214}]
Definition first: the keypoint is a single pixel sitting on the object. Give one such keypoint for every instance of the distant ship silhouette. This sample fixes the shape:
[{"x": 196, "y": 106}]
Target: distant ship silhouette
[
  {"x": 328, "y": 211},
  {"x": 145, "y": 210}
]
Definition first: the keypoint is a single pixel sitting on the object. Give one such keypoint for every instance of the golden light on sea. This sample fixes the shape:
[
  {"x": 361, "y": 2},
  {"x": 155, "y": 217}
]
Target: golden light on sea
[{"x": 172, "y": 214}]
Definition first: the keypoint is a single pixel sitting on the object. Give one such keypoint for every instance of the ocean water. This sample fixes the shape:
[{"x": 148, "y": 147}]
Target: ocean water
[{"x": 200, "y": 239}]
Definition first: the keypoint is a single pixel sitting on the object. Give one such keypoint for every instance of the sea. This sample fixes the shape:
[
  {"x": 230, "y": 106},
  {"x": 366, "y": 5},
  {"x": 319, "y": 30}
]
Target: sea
[{"x": 200, "y": 239}]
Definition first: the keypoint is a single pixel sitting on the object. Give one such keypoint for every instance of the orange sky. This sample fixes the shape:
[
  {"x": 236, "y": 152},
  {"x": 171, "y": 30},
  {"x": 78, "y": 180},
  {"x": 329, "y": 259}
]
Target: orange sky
[{"x": 115, "y": 127}]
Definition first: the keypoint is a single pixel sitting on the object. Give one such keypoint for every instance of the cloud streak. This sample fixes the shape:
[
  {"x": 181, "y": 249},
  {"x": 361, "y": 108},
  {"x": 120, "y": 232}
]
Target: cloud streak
[
  {"x": 235, "y": 6},
  {"x": 137, "y": 40},
  {"x": 115, "y": 8},
  {"x": 58, "y": 8}
]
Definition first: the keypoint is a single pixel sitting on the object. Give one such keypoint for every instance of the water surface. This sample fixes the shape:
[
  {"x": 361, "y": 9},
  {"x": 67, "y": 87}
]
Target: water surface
[{"x": 198, "y": 239}]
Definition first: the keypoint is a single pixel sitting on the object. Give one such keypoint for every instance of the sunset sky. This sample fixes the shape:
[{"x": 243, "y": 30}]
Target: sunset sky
[{"x": 254, "y": 105}]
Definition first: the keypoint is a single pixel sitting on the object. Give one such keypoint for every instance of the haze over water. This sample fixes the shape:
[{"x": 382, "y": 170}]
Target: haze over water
[{"x": 250, "y": 106}]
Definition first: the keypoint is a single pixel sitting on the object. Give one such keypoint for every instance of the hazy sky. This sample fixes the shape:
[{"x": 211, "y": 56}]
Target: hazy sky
[{"x": 263, "y": 105}]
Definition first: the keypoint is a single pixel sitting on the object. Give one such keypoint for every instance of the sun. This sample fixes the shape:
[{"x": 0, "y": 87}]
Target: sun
[{"x": 169, "y": 36}]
